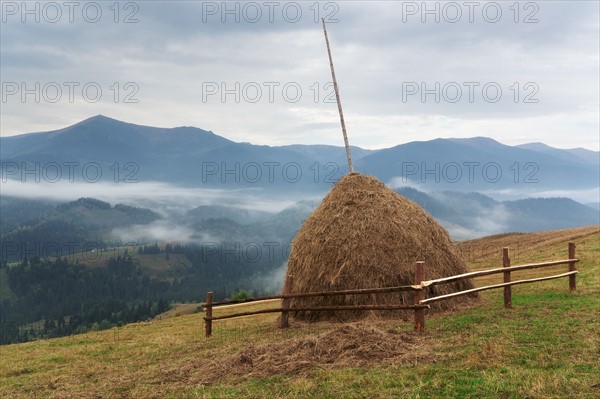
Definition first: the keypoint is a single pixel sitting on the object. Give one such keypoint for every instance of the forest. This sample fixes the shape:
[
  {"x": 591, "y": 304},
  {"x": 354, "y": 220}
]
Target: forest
[{"x": 51, "y": 298}]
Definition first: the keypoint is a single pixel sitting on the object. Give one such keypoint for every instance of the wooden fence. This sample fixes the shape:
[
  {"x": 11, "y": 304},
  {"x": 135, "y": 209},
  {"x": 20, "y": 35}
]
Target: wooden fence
[{"x": 420, "y": 302}]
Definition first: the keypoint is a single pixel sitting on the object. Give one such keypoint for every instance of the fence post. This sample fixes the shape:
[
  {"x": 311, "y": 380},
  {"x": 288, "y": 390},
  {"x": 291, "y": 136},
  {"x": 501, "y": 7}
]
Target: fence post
[
  {"x": 208, "y": 314},
  {"x": 572, "y": 268},
  {"x": 285, "y": 302},
  {"x": 419, "y": 295},
  {"x": 507, "y": 290}
]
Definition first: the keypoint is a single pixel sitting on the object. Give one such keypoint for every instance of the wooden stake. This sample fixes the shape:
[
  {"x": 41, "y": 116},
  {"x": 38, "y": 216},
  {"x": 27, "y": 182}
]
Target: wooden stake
[
  {"x": 507, "y": 289},
  {"x": 572, "y": 268},
  {"x": 339, "y": 102},
  {"x": 419, "y": 296},
  {"x": 208, "y": 317},
  {"x": 285, "y": 303}
]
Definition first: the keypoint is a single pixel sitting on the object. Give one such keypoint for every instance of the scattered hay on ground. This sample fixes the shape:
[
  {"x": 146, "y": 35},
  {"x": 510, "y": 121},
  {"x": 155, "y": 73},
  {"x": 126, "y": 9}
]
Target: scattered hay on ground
[{"x": 347, "y": 346}]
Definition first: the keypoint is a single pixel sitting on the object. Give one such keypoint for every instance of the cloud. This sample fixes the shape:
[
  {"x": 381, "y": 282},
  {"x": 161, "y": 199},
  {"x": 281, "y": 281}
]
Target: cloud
[
  {"x": 378, "y": 47},
  {"x": 272, "y": 281}
]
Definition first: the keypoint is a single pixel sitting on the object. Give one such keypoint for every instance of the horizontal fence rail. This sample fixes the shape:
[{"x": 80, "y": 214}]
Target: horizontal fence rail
[
  {"x": 420, "y": 303},
  {"x": 360, "y": 291},
  {"x": 491, "y": 287},
  {"x": 488, "y": 272},
  {"x": 320, "y": 308}
]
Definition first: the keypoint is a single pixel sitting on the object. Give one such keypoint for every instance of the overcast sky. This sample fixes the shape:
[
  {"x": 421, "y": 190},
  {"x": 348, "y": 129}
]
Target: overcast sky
[{"x": 258, "y": 71}]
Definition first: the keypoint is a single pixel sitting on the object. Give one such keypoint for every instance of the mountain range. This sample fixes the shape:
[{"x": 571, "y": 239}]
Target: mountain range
[{"x": 105, "y": 149}]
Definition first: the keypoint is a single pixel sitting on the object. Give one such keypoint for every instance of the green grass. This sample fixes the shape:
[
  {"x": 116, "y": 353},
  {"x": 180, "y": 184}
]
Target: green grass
[{"x": 546, "y": 346}]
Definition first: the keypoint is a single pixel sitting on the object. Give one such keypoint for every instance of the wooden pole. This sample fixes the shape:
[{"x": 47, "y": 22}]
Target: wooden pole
[
  {"x": 572, "y": 268},
  {"x": 419, "y": 296},
  {"x": 285, "y": 303},
  {"x": 208, "y": 317},
  {"x": 339, "y": 102},
  {"x": 507, "y": 289}
]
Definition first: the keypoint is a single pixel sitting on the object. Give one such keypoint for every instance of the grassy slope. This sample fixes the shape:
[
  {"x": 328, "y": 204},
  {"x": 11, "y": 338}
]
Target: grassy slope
[
  {"x": 154, "y": 265},
  {"x": 547, "y": 346}
]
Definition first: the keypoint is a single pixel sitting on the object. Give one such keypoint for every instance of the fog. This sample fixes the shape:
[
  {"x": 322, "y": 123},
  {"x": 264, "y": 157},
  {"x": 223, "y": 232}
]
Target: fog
[
  {"x": 482, "y": 224},
  {"x": 161, "y": 197},
  {"x": 273, "y": 281},
  {"x": 158, "y": 231},
  {"x": 506, "y": 194},
  {"x": 582, "y": 196}
]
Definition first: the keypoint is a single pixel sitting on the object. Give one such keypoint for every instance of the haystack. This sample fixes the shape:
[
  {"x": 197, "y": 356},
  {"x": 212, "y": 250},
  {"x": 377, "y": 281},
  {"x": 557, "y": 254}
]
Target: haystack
[{"x": 365, "y": 235}]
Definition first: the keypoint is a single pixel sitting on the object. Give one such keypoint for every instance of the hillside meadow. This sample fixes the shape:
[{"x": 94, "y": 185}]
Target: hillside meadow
[{"x": 546, "y": 346}]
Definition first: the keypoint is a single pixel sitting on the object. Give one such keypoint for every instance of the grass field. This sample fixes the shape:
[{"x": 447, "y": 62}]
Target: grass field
[{"x": 547, "y": 346}]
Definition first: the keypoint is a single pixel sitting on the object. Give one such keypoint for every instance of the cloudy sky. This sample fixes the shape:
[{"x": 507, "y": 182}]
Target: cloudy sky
[{"x": 258, "y": 71}]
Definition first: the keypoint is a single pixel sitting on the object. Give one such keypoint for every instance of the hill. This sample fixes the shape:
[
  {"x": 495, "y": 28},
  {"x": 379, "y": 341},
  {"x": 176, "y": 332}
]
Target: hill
[
  {"x": 468, "y": 215},
  {"x": 545, "y": 347},
  {"x": 63, "y": 229},
  {"x": 19, "y": 211}
]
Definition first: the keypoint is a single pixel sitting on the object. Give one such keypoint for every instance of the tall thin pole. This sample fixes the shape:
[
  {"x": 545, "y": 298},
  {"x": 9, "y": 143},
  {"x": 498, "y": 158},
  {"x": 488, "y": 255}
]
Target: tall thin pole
[{"x": 339, "y": 102}]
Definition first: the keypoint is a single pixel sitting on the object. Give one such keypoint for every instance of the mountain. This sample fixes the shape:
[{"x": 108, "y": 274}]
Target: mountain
[
  {"x": 478, "y": 164},
  {"x": 101, "y": 138},
  {"x": 125, "y": 152}
]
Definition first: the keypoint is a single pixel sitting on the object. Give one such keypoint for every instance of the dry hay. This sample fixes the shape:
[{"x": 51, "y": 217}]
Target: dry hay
[
  {"x": 365, "y": 235},
  {"x": 347, "y": 346}
]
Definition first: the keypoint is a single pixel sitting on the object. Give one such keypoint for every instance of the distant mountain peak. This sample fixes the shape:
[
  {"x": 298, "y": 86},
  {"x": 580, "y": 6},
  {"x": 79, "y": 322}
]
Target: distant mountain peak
[
  {"x": 535, "y": 146},
  {"x": 100, "y": 119},
  {"x": 477, "y": 141}
]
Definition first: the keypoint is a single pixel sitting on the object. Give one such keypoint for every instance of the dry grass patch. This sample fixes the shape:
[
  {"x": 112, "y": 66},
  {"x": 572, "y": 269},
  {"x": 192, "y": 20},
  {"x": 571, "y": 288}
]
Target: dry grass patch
[{"x": 349, "y": 345}]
